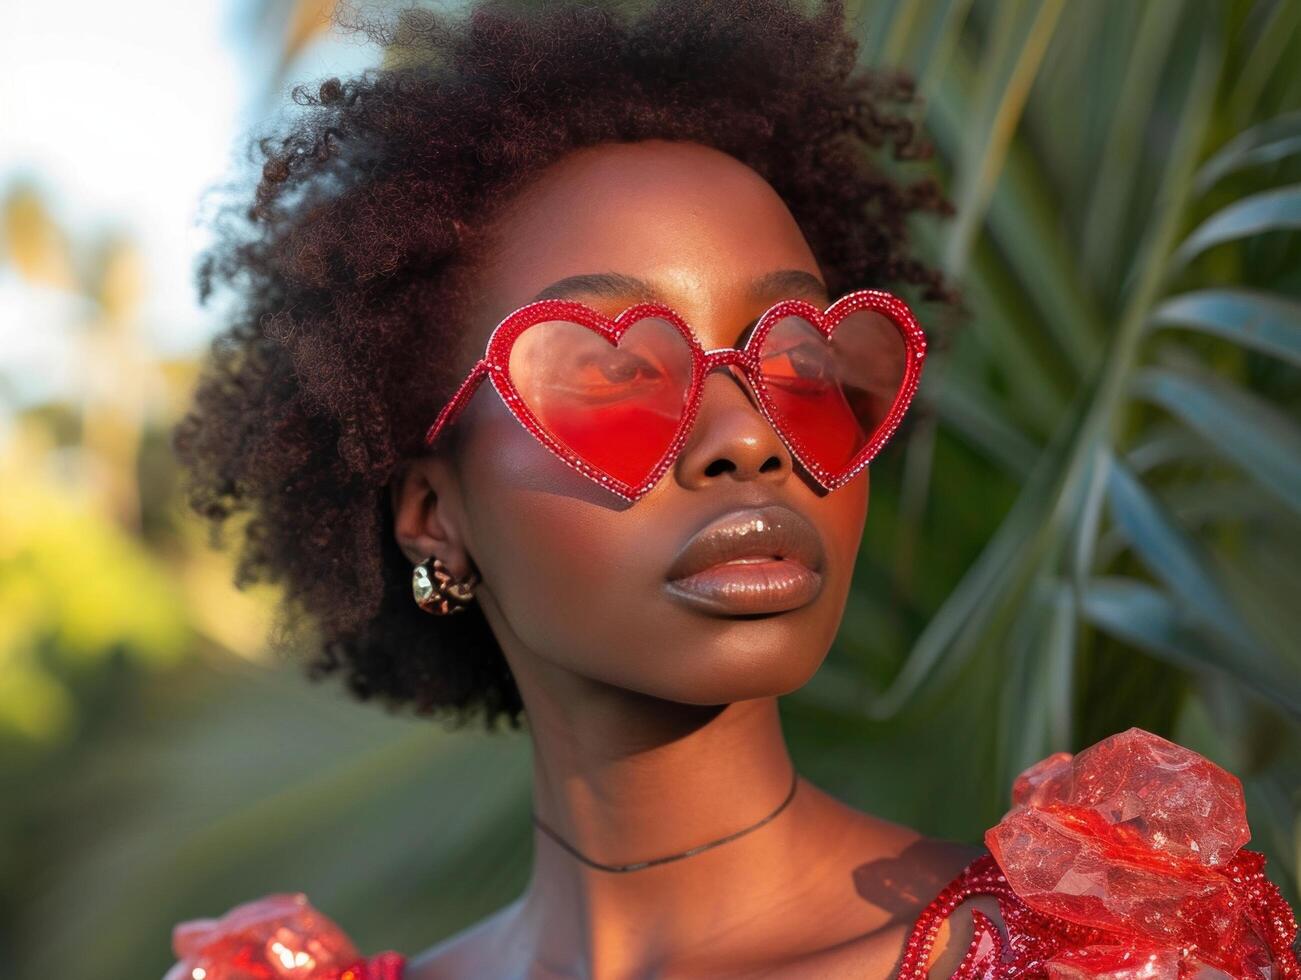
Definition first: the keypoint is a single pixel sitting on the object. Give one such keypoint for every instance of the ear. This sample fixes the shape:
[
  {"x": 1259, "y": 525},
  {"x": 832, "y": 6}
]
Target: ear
[{"x": 427, "y": 514}]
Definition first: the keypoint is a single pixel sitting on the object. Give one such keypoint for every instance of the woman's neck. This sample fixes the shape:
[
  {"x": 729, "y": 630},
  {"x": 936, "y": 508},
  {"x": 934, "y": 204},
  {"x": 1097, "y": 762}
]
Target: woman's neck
[{"x": 630, "y": 778}]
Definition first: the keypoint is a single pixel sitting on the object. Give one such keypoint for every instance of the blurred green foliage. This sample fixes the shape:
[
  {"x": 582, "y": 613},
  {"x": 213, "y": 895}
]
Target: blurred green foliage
[{"x": 1091, "y": 522}]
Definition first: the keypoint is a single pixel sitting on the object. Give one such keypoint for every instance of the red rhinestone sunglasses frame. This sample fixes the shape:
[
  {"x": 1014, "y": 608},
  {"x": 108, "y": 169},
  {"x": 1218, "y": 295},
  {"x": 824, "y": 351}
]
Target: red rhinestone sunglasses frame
[{"x": 496, "y": 360}]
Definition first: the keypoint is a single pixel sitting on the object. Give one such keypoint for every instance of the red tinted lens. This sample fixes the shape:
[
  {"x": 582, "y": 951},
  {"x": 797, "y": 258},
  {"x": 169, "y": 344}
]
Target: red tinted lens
[
  {"x": 617, "y": 407},
  {"x": 832, "y": 396}
]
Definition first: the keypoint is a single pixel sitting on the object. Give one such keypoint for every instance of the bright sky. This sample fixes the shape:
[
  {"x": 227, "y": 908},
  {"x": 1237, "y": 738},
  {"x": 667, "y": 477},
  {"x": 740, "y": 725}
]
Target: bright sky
[{"x": 121, "y": 114}]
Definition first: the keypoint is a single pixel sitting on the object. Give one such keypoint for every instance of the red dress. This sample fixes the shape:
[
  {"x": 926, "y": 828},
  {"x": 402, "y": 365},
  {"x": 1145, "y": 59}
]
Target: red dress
[{"x": 1124, "y": 862}]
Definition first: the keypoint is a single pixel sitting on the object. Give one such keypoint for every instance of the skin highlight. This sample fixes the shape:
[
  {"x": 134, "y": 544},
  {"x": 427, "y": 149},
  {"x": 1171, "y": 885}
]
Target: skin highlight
[{"x": 654, "y": 725}]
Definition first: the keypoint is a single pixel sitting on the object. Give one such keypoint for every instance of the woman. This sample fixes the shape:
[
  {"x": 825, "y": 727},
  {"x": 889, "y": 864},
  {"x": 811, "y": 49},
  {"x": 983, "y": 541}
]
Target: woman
[{"x": 663, "y": 243}]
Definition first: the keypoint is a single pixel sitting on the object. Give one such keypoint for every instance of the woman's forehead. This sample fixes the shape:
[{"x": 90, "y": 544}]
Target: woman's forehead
[
  {"x": 651, "y": 198},
  {"x": 678, "y": 223}
]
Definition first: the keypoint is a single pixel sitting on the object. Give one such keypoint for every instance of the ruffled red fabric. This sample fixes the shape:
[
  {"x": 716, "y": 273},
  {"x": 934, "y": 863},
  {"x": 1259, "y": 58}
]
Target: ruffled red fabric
[
  {"x": 277, "y": 937},
  {"x": 1124, "y": 862}
]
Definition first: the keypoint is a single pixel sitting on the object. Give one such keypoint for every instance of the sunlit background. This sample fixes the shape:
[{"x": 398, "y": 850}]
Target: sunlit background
[{"x": 1091, "y": 522}]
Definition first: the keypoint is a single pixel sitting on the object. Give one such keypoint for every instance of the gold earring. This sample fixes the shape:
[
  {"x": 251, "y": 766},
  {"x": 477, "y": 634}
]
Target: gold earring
[{"x": 442, "y": 595}]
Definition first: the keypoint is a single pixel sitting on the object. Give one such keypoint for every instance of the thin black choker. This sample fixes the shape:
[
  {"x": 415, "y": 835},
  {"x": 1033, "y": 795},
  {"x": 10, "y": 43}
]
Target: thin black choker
[{"x": 638, "y": 865}]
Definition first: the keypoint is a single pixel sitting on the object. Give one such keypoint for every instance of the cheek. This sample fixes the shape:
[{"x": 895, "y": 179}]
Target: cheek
[
  {"x": 575, "y": 586},
  {"x": 560, "y": 553},
  {"x": 841, "y": 516}
]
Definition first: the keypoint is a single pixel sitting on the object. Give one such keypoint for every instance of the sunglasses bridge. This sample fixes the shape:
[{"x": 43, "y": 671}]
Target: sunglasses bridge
[{"x": 728, "y": 357}]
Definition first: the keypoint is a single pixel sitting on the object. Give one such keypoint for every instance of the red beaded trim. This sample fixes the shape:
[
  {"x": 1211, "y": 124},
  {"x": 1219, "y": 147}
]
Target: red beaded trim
[
  {"x": 495, "y": 365},
  {"x": 1035, "y": 937}
]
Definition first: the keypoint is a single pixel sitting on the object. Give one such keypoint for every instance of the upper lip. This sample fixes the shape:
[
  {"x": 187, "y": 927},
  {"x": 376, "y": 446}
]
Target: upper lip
[{"x": 753, "y": 532}]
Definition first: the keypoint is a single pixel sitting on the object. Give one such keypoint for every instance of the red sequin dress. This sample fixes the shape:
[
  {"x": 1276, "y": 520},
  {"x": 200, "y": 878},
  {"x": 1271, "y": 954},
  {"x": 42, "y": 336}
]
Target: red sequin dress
[{"x": 1124, "y": 862}]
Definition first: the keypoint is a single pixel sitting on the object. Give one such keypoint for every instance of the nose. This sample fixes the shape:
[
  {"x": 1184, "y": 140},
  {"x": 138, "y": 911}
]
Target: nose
[{"x": 730, "y": 438}]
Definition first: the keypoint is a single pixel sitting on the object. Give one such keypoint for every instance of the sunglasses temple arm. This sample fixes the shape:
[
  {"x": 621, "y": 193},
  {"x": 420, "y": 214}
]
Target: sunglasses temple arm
[{"x": 458, "y": 401}]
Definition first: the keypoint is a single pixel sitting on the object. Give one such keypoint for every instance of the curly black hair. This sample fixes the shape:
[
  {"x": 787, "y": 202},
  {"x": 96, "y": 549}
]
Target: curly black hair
[{"x": 356, "y": 239}]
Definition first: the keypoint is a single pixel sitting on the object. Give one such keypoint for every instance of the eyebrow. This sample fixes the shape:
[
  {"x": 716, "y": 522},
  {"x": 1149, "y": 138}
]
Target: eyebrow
[{"x": 782, "y": 284}]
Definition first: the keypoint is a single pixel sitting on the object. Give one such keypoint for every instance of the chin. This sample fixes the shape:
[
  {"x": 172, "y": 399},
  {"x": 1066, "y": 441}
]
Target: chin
[{"x": 723, "y": 676}]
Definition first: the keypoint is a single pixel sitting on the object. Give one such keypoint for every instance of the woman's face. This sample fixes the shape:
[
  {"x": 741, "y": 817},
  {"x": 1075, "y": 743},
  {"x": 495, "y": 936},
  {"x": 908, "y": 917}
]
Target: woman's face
[{"x": 576, "y": 582}]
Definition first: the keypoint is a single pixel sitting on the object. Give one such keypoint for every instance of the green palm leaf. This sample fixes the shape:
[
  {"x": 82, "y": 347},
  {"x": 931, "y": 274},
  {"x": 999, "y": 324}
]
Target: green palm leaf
[
  {"x": 1139, "y": 442},
  {"x": 1254, "y": 319}
]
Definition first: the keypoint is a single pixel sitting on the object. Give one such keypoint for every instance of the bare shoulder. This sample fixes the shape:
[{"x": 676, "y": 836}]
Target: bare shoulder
[
  {"x": 489, "y": 947},
  {"x": 889, "y": 893}
]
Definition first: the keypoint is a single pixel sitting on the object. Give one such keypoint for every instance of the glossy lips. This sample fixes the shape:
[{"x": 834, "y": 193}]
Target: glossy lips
[{"x": 757, "y": 560}]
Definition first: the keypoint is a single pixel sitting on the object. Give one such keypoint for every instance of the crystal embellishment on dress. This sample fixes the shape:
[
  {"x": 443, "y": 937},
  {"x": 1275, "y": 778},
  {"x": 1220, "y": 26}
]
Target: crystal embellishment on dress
[
  {"x": 1123, "y": 862},
  {"x": 280, "y": 936},
  {"x": 1129, "y": 834}
]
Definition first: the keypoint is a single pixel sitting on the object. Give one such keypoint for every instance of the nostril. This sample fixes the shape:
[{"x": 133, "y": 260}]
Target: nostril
[{"x": 724, "y": 465}]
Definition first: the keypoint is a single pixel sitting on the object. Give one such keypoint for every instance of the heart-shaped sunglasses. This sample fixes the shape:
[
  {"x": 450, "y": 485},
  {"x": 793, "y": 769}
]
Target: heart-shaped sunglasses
[{"x": 616, "y": 398}]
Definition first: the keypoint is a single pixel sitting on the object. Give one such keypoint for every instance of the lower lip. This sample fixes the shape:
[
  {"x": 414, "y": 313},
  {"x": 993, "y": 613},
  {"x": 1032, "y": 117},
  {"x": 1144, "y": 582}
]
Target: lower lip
[{"x": 739, "y": 587}]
